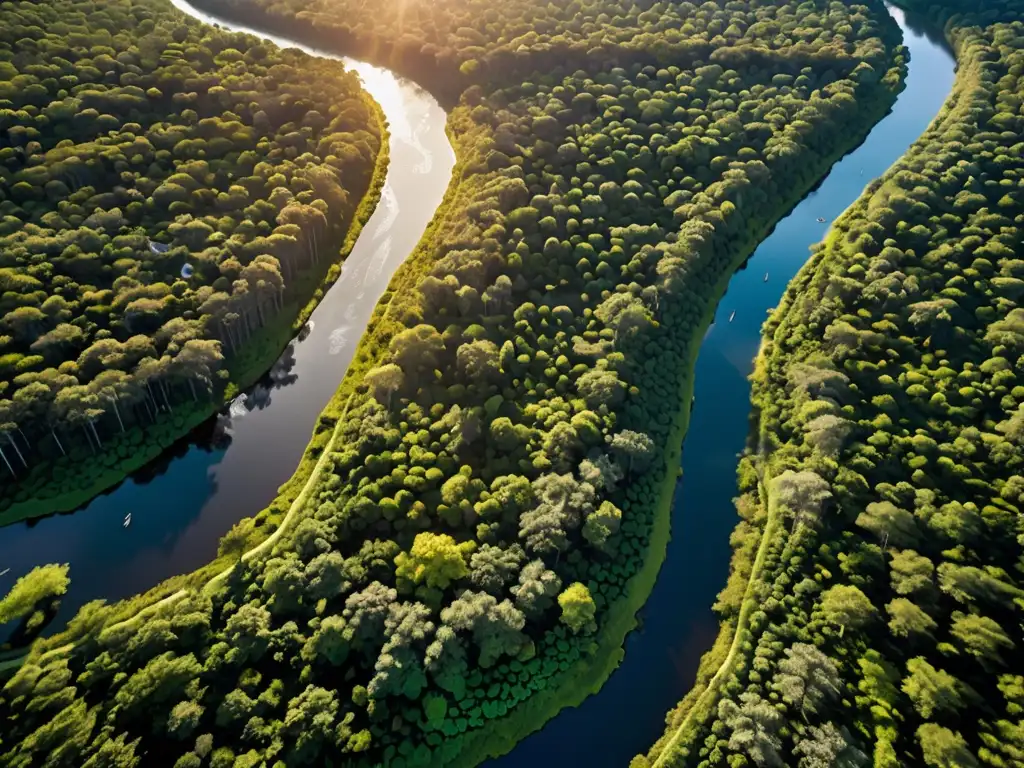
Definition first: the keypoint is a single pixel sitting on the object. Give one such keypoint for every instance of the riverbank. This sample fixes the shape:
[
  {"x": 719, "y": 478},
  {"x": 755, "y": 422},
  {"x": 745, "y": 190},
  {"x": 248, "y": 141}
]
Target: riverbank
[
  {"x": 621, "y": 617},
  {"x": 657, "y": 537},
  {"x": 589, "y": 675},
  {"x": 139, "y": 446},
  {"x": 763, "y": 521},
  {"x": 250, "y": 533}
]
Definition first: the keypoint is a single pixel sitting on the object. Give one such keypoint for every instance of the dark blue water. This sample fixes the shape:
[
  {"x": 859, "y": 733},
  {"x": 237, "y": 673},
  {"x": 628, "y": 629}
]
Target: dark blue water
[{"x": 627, "y": 716}]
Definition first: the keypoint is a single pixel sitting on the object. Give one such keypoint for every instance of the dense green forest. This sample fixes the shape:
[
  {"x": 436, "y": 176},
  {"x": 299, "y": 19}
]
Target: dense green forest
[
  {"x": 487, "y": 495},
  {"x": 456, "y": 43},
  {"x": 134, "y": 142},
  {"x": 883, "y": 489}
]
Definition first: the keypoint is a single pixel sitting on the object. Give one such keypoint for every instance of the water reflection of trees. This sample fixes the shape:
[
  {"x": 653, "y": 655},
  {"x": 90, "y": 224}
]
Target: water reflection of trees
[
  {"x": 214, "y": 434},
  {"x": 920, "y": 24},
  {"x": 279, "y": 376}
]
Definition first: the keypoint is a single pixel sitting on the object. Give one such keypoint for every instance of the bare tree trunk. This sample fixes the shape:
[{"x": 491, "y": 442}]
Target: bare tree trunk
[
  {"x": 13, "y": 473},
  {"x": 163, "y": 390},
  {"x": 28, "y": 445},
  {"x": 16, "y": 449},
  {"x": 259, "y": 311},
  {"x": 226, "y": 336},
  {"x": 117, "y": 412},
  {"x": 92, "y": 426},
  {"x": 192, "y": 386},
  {"x": 57, "y": 441},
  {"x": 88, "y": 439}
]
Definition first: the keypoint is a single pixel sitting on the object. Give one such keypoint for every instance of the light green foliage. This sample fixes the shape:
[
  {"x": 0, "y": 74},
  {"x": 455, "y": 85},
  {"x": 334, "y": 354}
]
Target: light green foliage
[
  {"x": 41, "y": 583},
  {"x": 847, "y": 606},
  {"x": 907, "y": 620},
  {"x": 435, "y": 560},
  {"x": 932, "y": 690},
  {"x": 889, "y": 523},
  {"x": 602, "y": 523},
  {"x": 577, "y": 607},
  {"x": 943, "y": 748},
  {"x": 184, "y": 719},
  {"x": 801, "y": 494},
  {"x": 981, "y": 637}
]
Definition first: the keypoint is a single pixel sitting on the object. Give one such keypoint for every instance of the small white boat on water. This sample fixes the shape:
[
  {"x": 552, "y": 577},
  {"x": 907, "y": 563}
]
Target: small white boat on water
[
  {"x": 732, "y": 316},
  {"x": 127, "y": 520},
  {"x": 5, "y": 571},
  {"x": 766, "y": 277}
]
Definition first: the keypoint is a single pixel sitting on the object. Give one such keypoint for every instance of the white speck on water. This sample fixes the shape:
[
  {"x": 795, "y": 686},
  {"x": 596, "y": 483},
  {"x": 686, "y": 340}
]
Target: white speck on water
[{"x": 339, "y": 338}]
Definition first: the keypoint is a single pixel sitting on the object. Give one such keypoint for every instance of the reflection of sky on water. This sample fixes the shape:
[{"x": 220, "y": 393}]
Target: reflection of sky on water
[{"x": 232, "y": 466}]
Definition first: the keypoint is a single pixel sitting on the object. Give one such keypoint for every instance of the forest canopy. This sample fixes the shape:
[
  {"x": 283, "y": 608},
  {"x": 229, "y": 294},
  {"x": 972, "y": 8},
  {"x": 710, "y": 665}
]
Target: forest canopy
[
  {"x": 887, "y": 618},
  {"x": 164, "y": 188},
  {"x": 494, "y": 479},
  {"x": 459, "y": 42}
]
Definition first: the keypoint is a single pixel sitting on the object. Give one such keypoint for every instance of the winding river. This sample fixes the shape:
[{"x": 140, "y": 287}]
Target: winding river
[
  {"x": 233, "y": 465},
  {"x": 627, "y": 716}
]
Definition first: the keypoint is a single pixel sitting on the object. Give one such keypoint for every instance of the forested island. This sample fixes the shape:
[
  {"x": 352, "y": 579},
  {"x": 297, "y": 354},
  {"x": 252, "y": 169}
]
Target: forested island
[
  {"x": 172, "y": 200},
  {"x": 875, "y": 608},
  {"x": 485, "y": 503}
]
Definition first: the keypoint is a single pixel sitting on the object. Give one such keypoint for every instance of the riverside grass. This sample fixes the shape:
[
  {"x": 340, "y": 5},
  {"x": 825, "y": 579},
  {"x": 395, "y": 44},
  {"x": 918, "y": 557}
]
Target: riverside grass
[{"x": 244, "y": 369}]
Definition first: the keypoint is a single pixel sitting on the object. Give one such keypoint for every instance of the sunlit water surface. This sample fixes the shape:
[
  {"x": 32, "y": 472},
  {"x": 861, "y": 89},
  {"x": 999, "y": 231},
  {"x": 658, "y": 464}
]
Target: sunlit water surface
[{"x": 233, "y": 465}]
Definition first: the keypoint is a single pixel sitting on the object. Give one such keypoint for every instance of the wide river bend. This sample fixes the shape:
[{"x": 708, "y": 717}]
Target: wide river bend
[{"x": 232, "y": 466}]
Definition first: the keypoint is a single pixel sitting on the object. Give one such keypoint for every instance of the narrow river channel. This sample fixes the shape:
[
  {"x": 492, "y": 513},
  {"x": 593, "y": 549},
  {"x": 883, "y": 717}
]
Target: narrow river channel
[
  {"x": 232, "y": 466},
  {"x": 627, "y": 716},
  {"x": 184, "y": 504}
]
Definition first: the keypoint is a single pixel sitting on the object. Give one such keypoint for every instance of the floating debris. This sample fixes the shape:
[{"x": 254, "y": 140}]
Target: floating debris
[
  {"x": 127, "y": 520},
  {"x": 156, "y": 247},
  {"x": 187, "y": 270},
  {"x": 732, "y": 316}
]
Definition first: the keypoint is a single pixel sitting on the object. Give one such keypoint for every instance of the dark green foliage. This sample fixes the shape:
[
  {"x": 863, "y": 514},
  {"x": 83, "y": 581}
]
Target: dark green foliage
[{"x": 134, "y": 142}]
